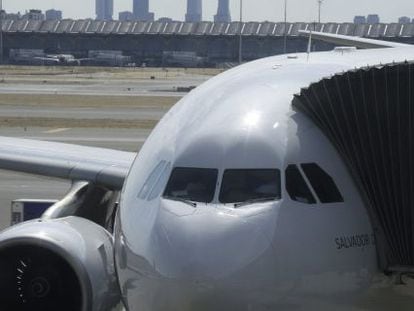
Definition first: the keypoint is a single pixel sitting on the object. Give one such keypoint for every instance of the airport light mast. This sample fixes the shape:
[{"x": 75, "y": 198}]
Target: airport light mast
[
  {"x": 240, "y": 37},
  {"x": 1, "y": 32},
  {"x": 285, "y": 30},
  {"x": 320, "y": 2}
]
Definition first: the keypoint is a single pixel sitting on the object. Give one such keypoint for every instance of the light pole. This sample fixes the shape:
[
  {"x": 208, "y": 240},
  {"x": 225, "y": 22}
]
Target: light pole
[
  {"x": 240, "y": 37},
  {"x": 1, "y": 32},
  {"x": 285, "y": 31},
  {"x": 319, "y": 10}
]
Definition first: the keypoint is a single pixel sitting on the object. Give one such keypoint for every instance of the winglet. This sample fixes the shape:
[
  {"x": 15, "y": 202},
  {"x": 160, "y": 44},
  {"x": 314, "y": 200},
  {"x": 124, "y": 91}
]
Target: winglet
[{"x": 358, "y": 42}]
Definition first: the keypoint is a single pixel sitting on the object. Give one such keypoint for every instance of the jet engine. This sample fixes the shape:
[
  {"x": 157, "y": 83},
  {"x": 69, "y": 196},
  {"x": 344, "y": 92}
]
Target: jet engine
[{"x": 60, "y": 264}]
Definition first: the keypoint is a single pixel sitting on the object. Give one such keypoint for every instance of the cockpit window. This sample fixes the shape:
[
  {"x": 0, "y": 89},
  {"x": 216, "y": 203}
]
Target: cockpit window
[
  {"x": 249, "y": 185},
  {"x": 296, "y": 186},
  {"x": 323, "y": 184},
  {"x": 193, "y": 184},
  {"x": 160, "y": 184},
  {"x": 151, "y": 180}
]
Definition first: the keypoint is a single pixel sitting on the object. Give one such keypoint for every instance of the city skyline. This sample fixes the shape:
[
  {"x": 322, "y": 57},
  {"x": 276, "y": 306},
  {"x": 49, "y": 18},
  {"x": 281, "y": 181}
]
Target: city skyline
[
  {"x": 194, "y": 12},
  {"x": 258, "y": 10},
  {"x": 223, "y": 11},
  {"x": 141, "y": 10},
  {"x": 104, "y": 9}
]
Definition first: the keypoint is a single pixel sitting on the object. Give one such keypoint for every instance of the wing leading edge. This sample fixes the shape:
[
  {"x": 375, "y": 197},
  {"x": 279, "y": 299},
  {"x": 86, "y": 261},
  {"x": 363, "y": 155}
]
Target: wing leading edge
[{"x": 102, "y": 166}]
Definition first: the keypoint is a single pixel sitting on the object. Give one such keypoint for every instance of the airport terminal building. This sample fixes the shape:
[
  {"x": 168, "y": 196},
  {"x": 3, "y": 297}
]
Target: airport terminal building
[{"x": 173, "y": 43}]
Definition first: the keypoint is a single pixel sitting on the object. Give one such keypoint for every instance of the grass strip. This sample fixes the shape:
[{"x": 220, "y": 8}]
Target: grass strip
[
  {"x": 58, "y": 100},
  {"x": 75, "y": 123}
]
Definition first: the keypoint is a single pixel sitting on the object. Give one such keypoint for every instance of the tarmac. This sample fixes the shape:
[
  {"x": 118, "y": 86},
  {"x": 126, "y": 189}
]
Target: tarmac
[
  {"x": 82, "y": 113},
  {"x": 22, "y": 186},
  {"x": 139, "y": 82}
]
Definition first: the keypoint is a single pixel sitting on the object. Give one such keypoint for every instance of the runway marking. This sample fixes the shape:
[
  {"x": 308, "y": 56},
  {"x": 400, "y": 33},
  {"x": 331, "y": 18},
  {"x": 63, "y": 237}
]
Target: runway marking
[{"x": 58, "y": 130}]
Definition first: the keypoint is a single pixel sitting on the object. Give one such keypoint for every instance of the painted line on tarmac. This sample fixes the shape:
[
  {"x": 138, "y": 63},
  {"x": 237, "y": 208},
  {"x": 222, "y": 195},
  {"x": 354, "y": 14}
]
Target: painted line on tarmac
[{"x": 58, "y": 130}]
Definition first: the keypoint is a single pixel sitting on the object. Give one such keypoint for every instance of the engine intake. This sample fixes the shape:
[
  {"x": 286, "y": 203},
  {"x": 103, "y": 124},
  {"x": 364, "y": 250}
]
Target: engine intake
[
  {"x": 35, "y": 278},
  {"x": 62, "y": 264}
]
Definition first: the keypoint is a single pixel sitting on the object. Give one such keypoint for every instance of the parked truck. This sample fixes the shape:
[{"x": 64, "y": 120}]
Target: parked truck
[{"x": 27, "y": 209}]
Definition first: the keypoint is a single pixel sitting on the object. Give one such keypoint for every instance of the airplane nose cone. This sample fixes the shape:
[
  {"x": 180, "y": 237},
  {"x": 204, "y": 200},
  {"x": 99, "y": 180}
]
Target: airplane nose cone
[
  {"x": 206, "y": 245},
  {"x": 202, "y": 258}
]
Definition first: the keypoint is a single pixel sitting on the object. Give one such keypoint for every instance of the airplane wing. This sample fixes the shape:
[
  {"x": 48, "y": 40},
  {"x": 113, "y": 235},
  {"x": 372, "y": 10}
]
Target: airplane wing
[
  {"x": 358, "y": 42},
  {"x": 102, "y": 166}
]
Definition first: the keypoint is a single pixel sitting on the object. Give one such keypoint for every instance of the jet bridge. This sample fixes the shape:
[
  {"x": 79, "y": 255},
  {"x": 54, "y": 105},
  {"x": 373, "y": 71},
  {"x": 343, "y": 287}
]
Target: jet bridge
[{"x": 368, "y": 114}]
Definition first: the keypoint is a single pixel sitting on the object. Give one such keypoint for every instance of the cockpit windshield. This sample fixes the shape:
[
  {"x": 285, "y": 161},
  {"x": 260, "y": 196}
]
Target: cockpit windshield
[
  {"x": 192, "y": 184},
  {"x": 250, "y": 185}
]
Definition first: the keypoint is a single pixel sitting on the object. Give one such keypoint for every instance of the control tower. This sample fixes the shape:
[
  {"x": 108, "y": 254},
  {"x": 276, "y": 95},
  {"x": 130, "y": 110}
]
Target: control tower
[
  {"x": 223, "y": 12},
  {"x": 194, "y": 11}
]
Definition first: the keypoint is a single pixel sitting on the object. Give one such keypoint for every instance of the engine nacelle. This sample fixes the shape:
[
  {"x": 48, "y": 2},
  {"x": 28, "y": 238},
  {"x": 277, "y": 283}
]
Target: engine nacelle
[{"x": 62, "y": 264}]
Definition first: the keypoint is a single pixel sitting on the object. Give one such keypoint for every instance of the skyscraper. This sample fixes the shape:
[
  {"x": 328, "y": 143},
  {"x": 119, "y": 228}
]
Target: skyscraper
[
  {"x": 194, "y": 11},
  {"x": 404, "y": 20},
  {"x": 53, "y": 14},
  {"x": 36, "y": 15},
  {"x": 141, "y": 10},
  {"x": 126, "y": 16},
  {"x": 360, "y": 19},
  {"x": 223, "y": 12},
  {"x": 373, "y": 19},
  {"x": 104, "y": 9}
]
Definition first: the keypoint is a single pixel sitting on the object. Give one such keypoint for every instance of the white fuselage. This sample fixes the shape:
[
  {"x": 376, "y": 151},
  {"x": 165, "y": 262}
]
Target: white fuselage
[{"x": 278, "y": 255}]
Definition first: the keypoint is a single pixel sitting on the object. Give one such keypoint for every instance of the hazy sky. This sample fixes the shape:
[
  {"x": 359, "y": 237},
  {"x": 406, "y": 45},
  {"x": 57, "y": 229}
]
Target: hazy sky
[{"x": 298, "y": 10}]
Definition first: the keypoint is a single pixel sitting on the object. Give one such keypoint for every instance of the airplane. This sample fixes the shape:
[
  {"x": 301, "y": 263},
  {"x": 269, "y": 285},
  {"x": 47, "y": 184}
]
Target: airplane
[
  {"x": 276, "y": 185},
  {"x": 61, "y": 59}
]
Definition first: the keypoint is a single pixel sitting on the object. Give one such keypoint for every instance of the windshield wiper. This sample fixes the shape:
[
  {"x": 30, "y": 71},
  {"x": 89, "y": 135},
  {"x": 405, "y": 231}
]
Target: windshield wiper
[
  {"x": 257, "y": 200},
  {"x": 186, "y": 201}
]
